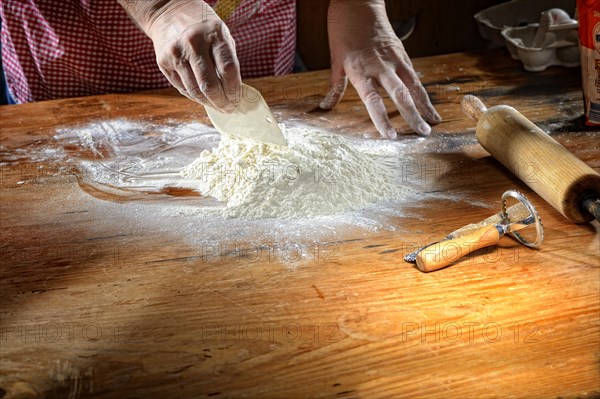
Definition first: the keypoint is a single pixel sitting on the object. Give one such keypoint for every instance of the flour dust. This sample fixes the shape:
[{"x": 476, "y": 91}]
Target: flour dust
[
  {"x": 317, "y": 173},
  {"x": 185, "y": 181}
]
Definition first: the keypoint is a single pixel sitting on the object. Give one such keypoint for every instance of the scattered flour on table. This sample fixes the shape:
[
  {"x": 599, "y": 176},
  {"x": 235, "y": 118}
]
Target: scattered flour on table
[
  {"x": 317, "y": 174},
  {"x": 129, "y": 179}
]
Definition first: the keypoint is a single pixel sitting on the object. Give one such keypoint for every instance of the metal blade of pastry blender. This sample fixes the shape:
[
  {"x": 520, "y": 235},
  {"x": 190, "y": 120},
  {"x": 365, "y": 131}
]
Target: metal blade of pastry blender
[{"x": 251, "y": 119}]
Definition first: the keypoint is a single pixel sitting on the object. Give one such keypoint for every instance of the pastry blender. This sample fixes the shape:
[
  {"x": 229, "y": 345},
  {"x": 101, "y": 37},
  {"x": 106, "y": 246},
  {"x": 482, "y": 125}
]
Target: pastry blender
[{"x": 483, "y": 234}]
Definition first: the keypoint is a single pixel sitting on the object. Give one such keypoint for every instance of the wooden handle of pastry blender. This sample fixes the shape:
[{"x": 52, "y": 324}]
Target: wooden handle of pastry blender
[{"x": 447, "y": 252}]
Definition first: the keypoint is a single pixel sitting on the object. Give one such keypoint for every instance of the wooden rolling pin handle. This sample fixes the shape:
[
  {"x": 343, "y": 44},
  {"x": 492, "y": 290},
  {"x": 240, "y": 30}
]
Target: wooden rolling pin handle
[
  {"x": 447, "y": 252},
  {"x": 473, "y": 107},
  {"x": 541, "y": 162}
]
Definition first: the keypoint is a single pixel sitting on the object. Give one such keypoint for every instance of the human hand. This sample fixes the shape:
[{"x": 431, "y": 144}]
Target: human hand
[
  {"x": 194, "y": 49},
  {"x": 365, "y": 49}
]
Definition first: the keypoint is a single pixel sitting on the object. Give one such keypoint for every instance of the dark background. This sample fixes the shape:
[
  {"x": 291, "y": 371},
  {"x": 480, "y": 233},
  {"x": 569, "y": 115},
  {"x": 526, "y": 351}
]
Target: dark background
[{"x": 442, "y": 26}]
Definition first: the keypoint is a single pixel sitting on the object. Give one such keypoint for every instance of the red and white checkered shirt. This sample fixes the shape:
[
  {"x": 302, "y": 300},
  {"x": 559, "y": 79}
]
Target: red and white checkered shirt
[{"x": 68, "y": 48}]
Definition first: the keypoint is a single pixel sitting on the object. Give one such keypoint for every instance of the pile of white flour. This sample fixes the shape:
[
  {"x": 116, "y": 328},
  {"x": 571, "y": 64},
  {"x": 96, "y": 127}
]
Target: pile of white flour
[{"x": 317, "y": 174}]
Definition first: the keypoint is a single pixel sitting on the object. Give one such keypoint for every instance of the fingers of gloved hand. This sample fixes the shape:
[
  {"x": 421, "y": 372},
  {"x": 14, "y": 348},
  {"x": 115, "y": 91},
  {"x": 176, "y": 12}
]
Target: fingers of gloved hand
[
  {"x": 418, "y": 93},
  {"x": 175, "y": 80},
  {"x": 337, "y": 87},
  {"x": 401, "y": 96},
  {"x": 228, "y": 70},
  {"x": 191, "y": 86},
  {"x": 207, "y": 81},
  {"x": 335, "y": 93},
  {"x": 367, "y": 90}
]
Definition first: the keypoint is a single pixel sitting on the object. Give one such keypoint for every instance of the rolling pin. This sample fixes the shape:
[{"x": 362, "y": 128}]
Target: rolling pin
[{"x": 559, "y": 177}]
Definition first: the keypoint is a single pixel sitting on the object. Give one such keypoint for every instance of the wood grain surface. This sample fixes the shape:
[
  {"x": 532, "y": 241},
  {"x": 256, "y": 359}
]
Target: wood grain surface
[{"x": 94, "y": 304}]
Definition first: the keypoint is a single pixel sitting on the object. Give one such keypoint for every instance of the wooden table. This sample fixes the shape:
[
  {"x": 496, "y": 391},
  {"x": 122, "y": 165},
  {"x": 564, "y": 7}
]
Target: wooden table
[{"x": 94, "y": 305}]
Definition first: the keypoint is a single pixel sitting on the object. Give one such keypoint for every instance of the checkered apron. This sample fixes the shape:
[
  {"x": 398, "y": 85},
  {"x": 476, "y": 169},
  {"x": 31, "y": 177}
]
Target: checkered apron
[{"x": 57, "y": 49}]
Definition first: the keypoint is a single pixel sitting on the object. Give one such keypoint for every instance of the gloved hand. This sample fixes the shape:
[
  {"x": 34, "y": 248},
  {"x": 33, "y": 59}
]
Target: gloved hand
[
  {"x": 365, "y": 49},
  {"x": 194, "y": 49}
]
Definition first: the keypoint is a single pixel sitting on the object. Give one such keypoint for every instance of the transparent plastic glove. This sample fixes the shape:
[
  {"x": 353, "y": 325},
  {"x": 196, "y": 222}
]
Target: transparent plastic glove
[
  {"x": 365, "y": 49},
  {"x": 194, "y": 49}
]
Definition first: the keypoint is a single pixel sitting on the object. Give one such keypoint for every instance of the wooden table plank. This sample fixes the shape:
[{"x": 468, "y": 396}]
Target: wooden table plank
[{"x": 96, "y": 302}]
